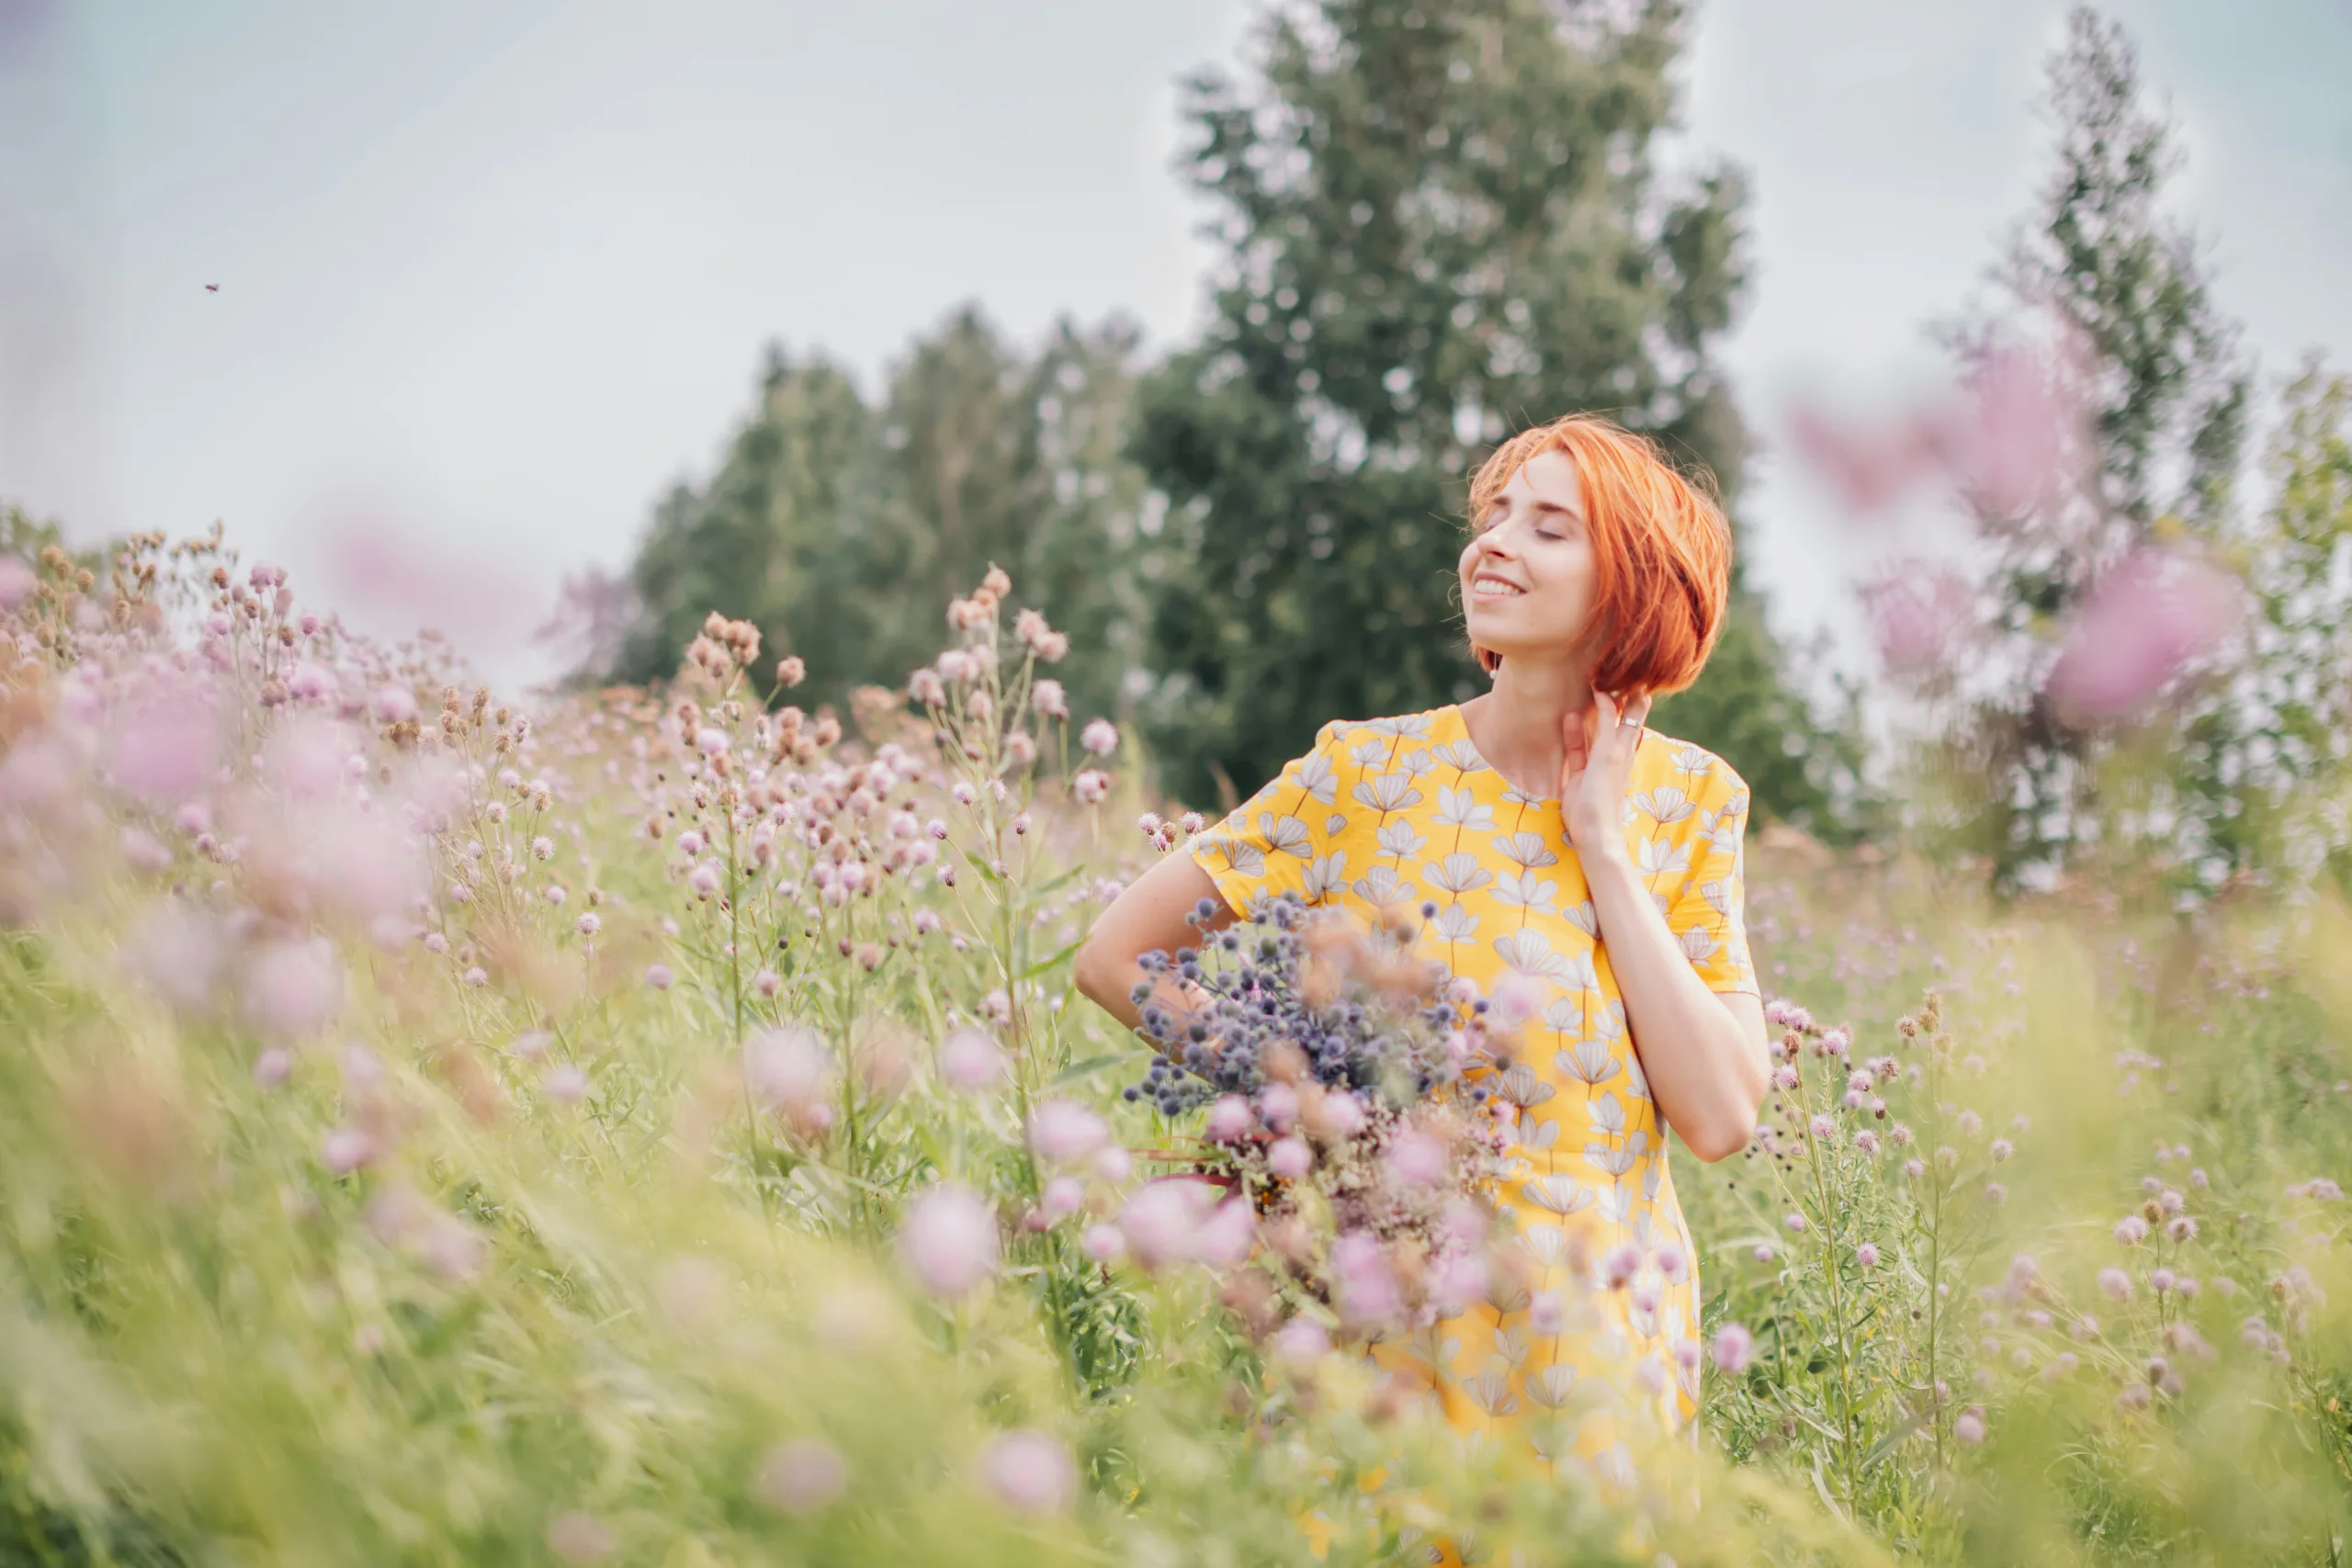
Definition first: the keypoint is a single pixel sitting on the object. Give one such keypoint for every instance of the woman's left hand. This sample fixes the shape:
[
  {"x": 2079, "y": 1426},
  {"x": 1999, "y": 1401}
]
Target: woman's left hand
[{"x": 1596, "y": 769}]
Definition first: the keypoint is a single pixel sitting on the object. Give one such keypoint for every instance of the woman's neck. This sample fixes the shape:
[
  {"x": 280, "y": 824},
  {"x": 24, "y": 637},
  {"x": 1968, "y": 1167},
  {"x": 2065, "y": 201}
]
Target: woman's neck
[{"x": 1518, "y": 726}]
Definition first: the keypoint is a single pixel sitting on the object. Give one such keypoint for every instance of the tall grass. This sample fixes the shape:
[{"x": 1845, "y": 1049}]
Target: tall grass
[{"x": 434, "y": 1129}]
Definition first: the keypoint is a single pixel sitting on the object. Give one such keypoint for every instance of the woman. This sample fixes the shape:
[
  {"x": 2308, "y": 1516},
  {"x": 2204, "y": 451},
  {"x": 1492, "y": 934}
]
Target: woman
[{"x": 1576, "y": 865}]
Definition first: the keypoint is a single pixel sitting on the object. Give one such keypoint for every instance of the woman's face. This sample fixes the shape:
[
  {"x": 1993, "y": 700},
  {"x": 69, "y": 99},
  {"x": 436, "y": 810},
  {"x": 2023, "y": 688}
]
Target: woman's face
[{"x": 1527, "y": 573}]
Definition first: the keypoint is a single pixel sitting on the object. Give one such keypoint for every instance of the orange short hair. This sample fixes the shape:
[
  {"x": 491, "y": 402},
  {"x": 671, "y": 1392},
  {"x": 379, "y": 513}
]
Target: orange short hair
[{"x": 1661, "y": 551}]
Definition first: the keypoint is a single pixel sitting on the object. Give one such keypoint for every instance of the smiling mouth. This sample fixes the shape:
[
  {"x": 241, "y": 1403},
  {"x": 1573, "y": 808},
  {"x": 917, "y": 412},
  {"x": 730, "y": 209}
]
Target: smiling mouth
[{"x": 1494, "y": 588}]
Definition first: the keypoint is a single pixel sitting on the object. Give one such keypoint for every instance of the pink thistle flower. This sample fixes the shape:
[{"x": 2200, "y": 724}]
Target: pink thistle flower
[
  {"x": 1417, "y": 1159},
  {"x": 1867, "y": 1254},
  {"x": 1228, "y": 1120},
  {"x": 1100, "y": 737},
  {"x": 1734, "y": 1348},
  {"x": 1764, "y": 1253},
  {"x": 1224, "y": 1238},
  {"x": 1278, "y": 1106},
  {"x": 2180, "y": 1227},
  {"x": 2115, "y": 1284},
  {"x": 949, "y": 1240},
  {"x": 1061, "y": 1197},
  {"x": 1301, "y": 1342},
  {"x": 802, "y": 1476},
  {"x": 787, "y": 1071},
  {"x": 1092, "y": 786},
  {"x": 1795, "y": 1223},
  {"x": 1063, "y": 1131},
  {"x": 1290, "y": 1158},
  {"x": 1048, "y": 698},
  {"x": 2138, "y": 626},
  {"x": 1028, "y": 1472},
  {"x": 1112, "y": 1165},
  {"x": 273, "y": 1068},
  {"x": 346, "y": 1149},
  {"x": 566, "y": 1085},
  {"x": 1969, "y": 1428},
  {"x": 970, "y": 1060},
  {"x": 658, "y": 976},
  {"x": 1620, "y": 1264},
  {"x": 2131, "y": 1230},
  {"x": 1160, "y": 1217},
  {"x": 1103, "y": 1243},
  {"x": 294, "y": 988},
  {"x": 589, "y": 923}
]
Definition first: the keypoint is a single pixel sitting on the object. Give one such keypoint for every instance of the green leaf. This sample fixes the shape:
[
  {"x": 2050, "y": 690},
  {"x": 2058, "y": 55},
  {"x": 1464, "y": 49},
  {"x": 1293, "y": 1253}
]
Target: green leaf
[{"x": 1078, "y": 1071}]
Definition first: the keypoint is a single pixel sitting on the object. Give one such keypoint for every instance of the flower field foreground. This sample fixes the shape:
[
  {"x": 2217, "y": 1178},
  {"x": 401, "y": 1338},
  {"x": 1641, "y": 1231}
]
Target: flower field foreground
[{"x": 660, "y": 1128}]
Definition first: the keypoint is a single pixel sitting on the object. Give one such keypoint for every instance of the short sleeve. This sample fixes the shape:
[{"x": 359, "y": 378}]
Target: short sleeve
[
  {"x": 1287, "y": 838},
  {"x": 1708, "y": 915}
]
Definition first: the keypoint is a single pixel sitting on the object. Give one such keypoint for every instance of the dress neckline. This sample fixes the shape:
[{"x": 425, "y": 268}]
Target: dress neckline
[{"x": 1452, "y": 713}]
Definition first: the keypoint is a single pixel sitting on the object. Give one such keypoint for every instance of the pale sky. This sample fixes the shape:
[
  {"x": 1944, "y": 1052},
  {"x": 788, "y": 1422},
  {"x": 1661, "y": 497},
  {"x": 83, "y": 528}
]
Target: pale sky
[{"x": 492, "y": 277}]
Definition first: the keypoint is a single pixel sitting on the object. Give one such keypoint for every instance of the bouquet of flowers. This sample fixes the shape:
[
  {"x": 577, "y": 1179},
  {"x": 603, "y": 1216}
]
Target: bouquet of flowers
[{"x": 1345, "y": 1083}]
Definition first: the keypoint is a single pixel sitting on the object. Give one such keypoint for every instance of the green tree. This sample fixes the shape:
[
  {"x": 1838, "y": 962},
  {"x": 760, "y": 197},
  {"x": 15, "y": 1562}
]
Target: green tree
[
  {"x": 1441, "y": 223},
  {"x": 2154, "y": 366},
  {"x": 843, "y": 528}
]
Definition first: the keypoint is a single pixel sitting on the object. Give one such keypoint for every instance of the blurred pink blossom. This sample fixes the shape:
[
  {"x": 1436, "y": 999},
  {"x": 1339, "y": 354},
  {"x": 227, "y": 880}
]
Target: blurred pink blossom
[
  {"x": 1919, "y": 614},
  {"x": 17, "y": 580},
  {"x": 177, "y": 952},
  {"x": 1224, "y": 1239},
  {"x": 294, "y": 987},
  {"x": 787, "y": 1072},
  {"x": 164, "y": 748},
  {"x": 1160, "y": 1217},
  {"x": 2140, "y": 626},
  {"x": 1029, "y": 1472},
  {"x": 802, "y": 1476},
  {"x": 949, "y": 1240},
  {"x": 1062, "y": 1131},
  {"x": 970, "y": 1060}
]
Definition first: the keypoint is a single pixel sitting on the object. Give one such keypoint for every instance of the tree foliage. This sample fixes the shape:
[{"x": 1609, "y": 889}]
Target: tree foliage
[
  {"x": 838, "y": 526},
  {"x": 1441, "y": 223},
  {"x": 2152, "y": 364}
]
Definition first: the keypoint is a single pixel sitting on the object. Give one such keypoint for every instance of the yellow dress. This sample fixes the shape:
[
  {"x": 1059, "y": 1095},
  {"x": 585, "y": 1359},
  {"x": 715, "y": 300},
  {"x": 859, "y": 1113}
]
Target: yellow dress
[{"x": 1390, "y": 809}]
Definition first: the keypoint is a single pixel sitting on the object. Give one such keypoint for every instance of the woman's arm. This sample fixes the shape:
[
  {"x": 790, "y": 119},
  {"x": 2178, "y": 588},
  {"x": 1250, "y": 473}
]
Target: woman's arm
[
  {"x": 1149, "y": 914},
  {"x": 1703, "y": 1052}
]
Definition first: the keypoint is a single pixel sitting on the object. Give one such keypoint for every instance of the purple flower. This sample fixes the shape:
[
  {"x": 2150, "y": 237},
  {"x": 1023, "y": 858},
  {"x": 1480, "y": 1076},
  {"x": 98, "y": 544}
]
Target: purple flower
[
  {"x": 2131, "y": 1230},
  {"x": 949, "y": 1240},
  {"x": 658, "y": 976},
  {"x": 1100, "y": 737},
  {"x": 1795, "y": 1222},
  {"x": 1969, "y": 1428},
  {"x": 1160, "y": 1217},
  {"x": 1733, "y": 1350},
  {"x": 1302, "y": 1340},
  {"x": 1063, "y": 1130},
  {"x": 346, "y": 1149},
  {"x": 970, "y": 1060},
  {"x": 802, "y": 1476},
  {"x": 566, "y": 1085},
  {"x": 1290, "y": 1158},
  {"x": 1229, "y": 1119},
  {"x": 1867, "y": 1254},
  {"x": 1029, "y": 1472},
  {"x": 2116, "y": 1283}
]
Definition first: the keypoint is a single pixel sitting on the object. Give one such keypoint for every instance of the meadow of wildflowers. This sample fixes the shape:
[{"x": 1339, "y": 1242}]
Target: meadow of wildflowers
[{"x": 659, "y": 1127}]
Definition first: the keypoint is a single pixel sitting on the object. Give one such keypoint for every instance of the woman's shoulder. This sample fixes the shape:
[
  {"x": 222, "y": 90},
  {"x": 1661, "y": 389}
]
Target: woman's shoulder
[
  {"x": 1344, "y": 736},
  {"x": 1669, "y": 762}
]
